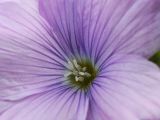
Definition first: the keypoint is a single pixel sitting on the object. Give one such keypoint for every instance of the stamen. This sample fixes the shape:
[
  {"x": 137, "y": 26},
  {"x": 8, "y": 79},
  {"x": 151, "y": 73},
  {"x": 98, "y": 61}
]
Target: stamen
[
  {"x": 87, "y": 74},
  {"x": 70, "y": 66},
  {"x": 79, "y": 72},
  {"x": 75, "y": 73},
  {"x": 81, "y": 79},
  {"x": 84, "y": 69},
  {"x": 76, "y": 78},
  {"x": 76, "y": 64}
]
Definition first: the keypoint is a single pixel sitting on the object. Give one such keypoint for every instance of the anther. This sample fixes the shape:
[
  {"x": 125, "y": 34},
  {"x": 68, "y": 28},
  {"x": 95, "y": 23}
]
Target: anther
[{"x": 79, "y": 72}]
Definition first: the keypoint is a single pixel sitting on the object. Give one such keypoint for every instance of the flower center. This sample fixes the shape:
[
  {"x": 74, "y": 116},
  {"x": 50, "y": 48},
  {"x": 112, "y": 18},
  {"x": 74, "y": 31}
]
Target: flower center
[{"x": 80, "y": 73}]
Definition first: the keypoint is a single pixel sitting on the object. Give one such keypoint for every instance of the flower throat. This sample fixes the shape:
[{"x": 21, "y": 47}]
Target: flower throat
[{"x": 80, "y": 73}]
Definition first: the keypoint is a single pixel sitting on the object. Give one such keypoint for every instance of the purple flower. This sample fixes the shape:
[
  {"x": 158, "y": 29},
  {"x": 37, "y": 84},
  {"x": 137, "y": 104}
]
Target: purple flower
[{"x": 79, "y": 60}]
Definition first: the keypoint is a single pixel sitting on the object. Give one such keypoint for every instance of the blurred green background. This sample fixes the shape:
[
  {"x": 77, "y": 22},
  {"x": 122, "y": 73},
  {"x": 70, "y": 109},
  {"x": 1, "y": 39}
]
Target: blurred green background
[{"x": 156, "y": 58}]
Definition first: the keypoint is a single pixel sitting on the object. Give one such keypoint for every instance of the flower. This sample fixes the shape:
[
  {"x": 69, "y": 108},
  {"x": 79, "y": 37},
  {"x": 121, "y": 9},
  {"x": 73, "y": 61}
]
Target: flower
[{"x": 79, "y": 60}]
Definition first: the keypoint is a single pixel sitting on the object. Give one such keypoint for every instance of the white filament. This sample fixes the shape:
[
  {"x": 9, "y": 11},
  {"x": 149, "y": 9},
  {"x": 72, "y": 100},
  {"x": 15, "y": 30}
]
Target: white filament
[{"x": 79, "y": 72}]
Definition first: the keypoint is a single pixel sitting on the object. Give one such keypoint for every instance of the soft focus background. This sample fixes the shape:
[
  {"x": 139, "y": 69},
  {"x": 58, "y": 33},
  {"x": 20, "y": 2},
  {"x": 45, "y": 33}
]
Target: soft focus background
[{"x": 156, "y": 58}]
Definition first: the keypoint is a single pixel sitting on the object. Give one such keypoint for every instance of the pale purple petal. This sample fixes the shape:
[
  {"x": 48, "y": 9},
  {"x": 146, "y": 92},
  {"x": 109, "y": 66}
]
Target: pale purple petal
[
  {"x": 31, "y": 61},
  {"x": 126, "y": 89},
  {"x": 35, "y": 51},
  {"x": 32, "y": 70},
  {"x": 52, "y": 105},
  {"x": 103, "y": 27}
]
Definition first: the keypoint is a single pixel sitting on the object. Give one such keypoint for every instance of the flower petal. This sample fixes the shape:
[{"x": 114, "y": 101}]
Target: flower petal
[
  {"x": 103, "y": 27},
  {"x": 53, "y": 105},
  {"x": 126, "y": 89},
  {"x": 31, "y": 61}
]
